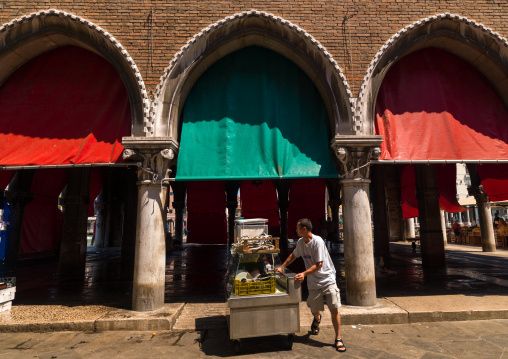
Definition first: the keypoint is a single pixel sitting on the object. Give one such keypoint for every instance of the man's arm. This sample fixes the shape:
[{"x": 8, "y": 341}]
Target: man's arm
[
  {"x": 301, "y": 276},
  {"x": 287, "y": 262}
]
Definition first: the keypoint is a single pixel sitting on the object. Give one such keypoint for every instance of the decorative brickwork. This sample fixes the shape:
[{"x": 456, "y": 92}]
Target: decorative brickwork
[
  {"x": 9, "y": 37},
  {"x": 490, "y": 43},
  {"x": 279, "y": 31},
  {"x": 353, "y": 32}
]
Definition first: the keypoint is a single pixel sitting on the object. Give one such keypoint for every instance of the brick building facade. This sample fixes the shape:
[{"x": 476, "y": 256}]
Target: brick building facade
[{"x": 161, "y": 48}]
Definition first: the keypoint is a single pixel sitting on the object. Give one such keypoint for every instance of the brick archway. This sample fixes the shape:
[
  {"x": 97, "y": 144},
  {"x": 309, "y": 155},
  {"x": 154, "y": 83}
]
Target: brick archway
[
  {"x": 485, "y": 49},
  {"x": 239, "y": 31},
  {"x": 31, "y": 35}
]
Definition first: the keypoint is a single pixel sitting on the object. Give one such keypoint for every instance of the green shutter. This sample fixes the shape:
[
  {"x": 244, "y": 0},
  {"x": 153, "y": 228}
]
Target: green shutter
[{"x": 254, "y": 115}]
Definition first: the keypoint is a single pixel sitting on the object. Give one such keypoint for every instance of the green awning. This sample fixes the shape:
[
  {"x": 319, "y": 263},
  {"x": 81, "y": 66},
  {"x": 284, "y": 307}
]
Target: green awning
[{"x": 254, "y": 115}]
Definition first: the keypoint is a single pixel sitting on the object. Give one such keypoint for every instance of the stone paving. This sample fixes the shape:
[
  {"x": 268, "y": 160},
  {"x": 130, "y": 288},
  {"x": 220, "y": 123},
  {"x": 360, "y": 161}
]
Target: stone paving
[
  {"x": 460, "y": 339},
  {"x": 473, "y": 286}
]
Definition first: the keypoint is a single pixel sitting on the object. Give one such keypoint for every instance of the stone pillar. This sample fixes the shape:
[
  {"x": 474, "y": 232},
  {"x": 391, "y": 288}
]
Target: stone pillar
[
  {"x": 468, "y": 219},
  {"x": 354, "y": 154},
  {"x": 391, "y": 176},
  {"x": 431, "y": 234},
  {"x": 101, "y": 210},
  {"x": 443, "y": 227},
  {"x": 179, "y": 192},
  {"x": 283, "y": 187},
  {"x": 114, "y": 225},
  {"x": 380, "y": 219},
  {"x": 410, "y": 228},
  {"x": 334, "y": 202},
  {"x": 130, "y": 219},
  {"x": 75, "y": 214},
  {"x": 231, "y": 204},
  {"x": 484, "y": 211},
  {"x": 18, "y": 196},
  {"x": 150, "y": 256}
]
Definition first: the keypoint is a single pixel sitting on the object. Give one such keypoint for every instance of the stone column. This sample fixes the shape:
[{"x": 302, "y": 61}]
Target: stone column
[
  {"x": 231, "y": 204},
  {"x": 391, "y": 176},
  {"x": 101, "y": 210},
  {"x": 130, "y": 220},
  {"x": 431, "y": 234},
  {"x": 283, "y": 187},
  {"x": 381, "y": 234},
  {"x": 114, "y": 225},
  {"x": 150, "y": 256},
  {"x": 75, "y": 214},
  {"x": 18, "y": 196},
  {"x": 179, "y": 192},
  {"x": 484, "y": 211},
  {"x": 410, "y": 228},
  {"x": 354, "y": 154},
  {"x": 443, "y": 227},
  {"x": 468, "y": 219},
  {"x": 334, "y": 202}
]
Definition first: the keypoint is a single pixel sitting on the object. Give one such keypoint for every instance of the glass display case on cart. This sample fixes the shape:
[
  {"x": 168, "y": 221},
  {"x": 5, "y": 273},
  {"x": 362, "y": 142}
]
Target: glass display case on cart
[{"x": 262, "y": 302}]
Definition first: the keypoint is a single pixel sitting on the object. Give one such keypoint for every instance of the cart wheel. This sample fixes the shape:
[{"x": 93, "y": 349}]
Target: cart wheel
[
  {"x": 291, "y": 339},
  {"x": 236, "y": 346}
]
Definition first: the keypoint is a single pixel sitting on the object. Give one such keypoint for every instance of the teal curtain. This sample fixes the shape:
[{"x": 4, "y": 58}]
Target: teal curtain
[{"x": 254, "y": 115}]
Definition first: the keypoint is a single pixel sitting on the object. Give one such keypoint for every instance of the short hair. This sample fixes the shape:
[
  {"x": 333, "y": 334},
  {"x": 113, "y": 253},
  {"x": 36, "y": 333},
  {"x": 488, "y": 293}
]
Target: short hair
[{"x": 305, "y": 222}]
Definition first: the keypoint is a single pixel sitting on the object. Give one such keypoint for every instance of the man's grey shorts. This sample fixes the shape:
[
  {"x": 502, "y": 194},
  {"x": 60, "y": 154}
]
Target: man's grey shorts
[{"x": 316, "y": 298}]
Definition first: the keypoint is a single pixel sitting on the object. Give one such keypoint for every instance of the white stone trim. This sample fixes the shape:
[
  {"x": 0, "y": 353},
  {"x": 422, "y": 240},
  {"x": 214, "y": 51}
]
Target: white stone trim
[
  {"x": 223, "y": 22},
  {"x": 365, "y": 85},
  {"x": 104, "y": 34}
]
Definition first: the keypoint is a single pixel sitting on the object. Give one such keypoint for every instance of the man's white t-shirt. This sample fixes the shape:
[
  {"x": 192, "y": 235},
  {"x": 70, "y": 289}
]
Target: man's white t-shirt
[{"x": 313, "y": 252}]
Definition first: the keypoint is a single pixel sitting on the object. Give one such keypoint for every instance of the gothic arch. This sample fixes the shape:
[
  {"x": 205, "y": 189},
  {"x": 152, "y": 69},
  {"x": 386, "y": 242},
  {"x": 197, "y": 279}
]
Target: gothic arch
[
  {"x": 485, "y": 49},
  {"x": 31, "y": 35},
  {"x": 238, "y": 31}
]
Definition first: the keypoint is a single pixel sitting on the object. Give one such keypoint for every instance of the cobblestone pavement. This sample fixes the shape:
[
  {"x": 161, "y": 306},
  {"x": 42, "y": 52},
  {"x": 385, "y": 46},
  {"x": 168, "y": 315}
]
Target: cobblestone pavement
[{"x": 467, "y": 339}]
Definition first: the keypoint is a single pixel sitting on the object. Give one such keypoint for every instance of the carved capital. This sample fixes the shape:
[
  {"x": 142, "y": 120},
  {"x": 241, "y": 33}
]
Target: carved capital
[
  {"x": 354, "y": 154},
  {"x": 479, "y": 194},
  {"x": 156, "y": 155}
]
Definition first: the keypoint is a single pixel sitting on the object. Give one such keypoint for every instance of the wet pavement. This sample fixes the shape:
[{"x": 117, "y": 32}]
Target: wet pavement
[
  {"x": 196, "y": 274},
  {"x": 473, "y": 285},
  {"x": 442, "y": 340}
]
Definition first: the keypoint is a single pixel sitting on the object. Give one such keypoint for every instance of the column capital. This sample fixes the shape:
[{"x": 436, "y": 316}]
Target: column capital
[
  {"x": 156, "y": 154},
  {"x": 354, "y": 154},
  {"x": 479, "y": 194}
]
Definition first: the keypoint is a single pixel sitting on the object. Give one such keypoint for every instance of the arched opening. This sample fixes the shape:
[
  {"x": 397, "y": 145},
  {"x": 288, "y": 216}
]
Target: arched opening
[
  {"x": 251, "y": 28},
  {"x": 62, "y": 118},
  {"x": 433, "y": 105},
  {"x": 434, "y": 110},
  {"x": 253, "y": 115}
]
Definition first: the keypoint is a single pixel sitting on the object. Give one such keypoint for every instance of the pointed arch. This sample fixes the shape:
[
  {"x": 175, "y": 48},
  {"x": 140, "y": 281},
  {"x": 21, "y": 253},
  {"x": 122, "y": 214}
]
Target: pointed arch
[
  {"x": 30, "y": 35},
  {"x": 238, "y": 31},
  {"x": 485, "y": 49}
]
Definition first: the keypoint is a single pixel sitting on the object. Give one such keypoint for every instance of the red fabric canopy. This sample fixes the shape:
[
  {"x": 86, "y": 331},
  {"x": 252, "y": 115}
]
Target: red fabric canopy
[
  {"x": 206, "y": 212},
  {"x": 306, "y": 200},
  {"x": 259, "y": 200},
  {"x": 41, "y": 230},
  {"x": 434, "y": 105},
  {"x": 65, "y": 106},
  {"x": 446, "y": 183},
  {"x": 494, "y": 180}
]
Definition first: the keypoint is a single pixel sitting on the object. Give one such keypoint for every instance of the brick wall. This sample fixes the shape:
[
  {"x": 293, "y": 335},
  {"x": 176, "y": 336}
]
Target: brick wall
[{"x": 352, "y": 31}]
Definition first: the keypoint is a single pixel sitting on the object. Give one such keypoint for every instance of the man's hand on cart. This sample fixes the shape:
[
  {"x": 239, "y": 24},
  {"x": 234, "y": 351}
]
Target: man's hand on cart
[
  {"x": 279, "y": 269},
  {"x": 300, "y": 277}
]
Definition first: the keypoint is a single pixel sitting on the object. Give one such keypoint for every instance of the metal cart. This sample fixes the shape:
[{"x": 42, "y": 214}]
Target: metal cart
[{"x": 265, "y": 307}]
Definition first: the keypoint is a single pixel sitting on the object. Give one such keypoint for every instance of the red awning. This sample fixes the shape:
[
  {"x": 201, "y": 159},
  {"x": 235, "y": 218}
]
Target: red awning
[
  {"x": 66, "y": 106},
  {"x": 433, "y": 105}
]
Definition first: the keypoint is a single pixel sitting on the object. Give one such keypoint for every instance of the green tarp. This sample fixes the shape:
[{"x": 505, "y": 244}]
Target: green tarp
[{"x": 254, "y": 115}]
